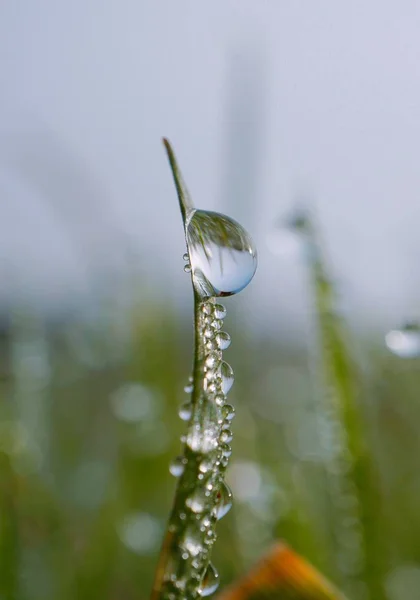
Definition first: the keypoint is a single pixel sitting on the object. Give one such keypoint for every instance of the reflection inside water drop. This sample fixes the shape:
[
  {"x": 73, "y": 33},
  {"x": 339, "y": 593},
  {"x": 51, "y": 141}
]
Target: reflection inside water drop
[
  {"x": 223, "y": 340},
  {"x": 210, "y": 581},
  {"x": 226, "y": 373},
  {"x": 223, "y": 256},
  {"x": 177, "y": 466},
  {"x": 224, "y": 501},
  {"x": 185, "y": 411},
  {"x": 405, "y": 342}
]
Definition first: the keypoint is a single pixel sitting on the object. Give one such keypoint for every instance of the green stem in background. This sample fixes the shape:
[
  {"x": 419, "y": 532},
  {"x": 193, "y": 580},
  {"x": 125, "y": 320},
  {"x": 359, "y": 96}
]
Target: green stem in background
[
  {"x": 350, "y": 472},
  {"x": 222, "y": 261}
]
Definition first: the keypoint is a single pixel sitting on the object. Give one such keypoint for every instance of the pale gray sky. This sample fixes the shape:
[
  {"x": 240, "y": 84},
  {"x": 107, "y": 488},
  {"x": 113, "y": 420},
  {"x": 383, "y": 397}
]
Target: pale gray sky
[{"x": 327, "y": 91}]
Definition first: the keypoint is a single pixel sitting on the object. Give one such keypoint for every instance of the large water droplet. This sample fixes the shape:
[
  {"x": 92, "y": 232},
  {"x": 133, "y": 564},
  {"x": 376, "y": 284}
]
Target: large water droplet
[
  {"x": 405, "y": 342},
  {"x": 177, "y": 466},
  {"x": 226, "y": 373},
  {"x": 210, "y": 581},
  {"x": 225, "y": 501},
  {"x": 223, "y": 340},
  {"x": 223, "y": 256}
]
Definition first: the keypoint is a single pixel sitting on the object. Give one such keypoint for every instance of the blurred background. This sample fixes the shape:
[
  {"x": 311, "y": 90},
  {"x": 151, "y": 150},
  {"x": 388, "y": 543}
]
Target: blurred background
[{"x": 269, "y": 106}]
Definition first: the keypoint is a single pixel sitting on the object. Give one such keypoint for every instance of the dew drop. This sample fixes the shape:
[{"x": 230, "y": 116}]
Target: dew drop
[
  {"x": 197, "y": 501},
  {"x": 223, "y": 340},
  {"x": 228, "y": 412},
  {"x": 211, "y": 375},
  {"x": 202, "y": 441},
  {"x": 219, "y": 311},
  {"x": 220, "y": 399},
  {"x": 206, "y": 522},
  {"x": 226, "y": 373},
  {"x": 185, "y": 256},
  {"x": 216, "y": 324},
  {"x": 405, "y": 342},
  {"x": 226, "y": 450},
  {"x": 222, "y": 253},
  {"x": 205, "y": 466},
  {"x": 225, "y": 501},
  {"x": 226, "y": 436},
  {"x": 224, "y": 461},
  {"x": 177, "y": 466},
  {"x": 192, "y": 542},
  {"x": 185, "y": 411},
  {"x": 211, "y": 345},
  {"x": 211, "y": 388},
  {"x": 207, "y": 308},
  {"x": 187, "y": 268},
  {"x": 212, "y": 360},
  {"x": 188, "y": 388},
  {"x": 210, "y": 581}
]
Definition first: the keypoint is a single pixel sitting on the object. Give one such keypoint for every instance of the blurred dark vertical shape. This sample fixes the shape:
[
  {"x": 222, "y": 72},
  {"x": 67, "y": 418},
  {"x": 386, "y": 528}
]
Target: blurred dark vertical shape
[
  {"x": 241, "y": 155},
  {"x": 244, "y": 127}
]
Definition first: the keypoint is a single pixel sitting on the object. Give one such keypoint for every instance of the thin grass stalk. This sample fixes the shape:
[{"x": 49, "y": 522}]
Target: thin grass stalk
[{"x": 353, "y": 489}]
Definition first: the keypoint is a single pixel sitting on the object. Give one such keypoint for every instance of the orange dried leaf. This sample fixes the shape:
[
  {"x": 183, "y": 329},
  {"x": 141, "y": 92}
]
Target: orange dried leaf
[{"x": 282, "y": 574}]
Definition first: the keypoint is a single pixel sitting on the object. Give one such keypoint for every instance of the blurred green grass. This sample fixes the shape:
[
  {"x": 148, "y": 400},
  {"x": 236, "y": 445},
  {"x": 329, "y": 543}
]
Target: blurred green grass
[{"x": 88, "y": 426}]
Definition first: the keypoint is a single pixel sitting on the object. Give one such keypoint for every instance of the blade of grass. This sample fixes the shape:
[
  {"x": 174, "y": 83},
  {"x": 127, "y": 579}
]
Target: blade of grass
[{"x": 352, "y": 473}]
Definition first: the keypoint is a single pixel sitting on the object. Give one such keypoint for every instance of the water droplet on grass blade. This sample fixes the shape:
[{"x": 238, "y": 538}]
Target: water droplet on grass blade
[
  {"x": 225, "y": 501},
  {"x": 177, "y": 466},
  {"x": 185, "y": 411},
  {"x": 226, "y": 450},
  {"x": 226, "y": 436},
  {"x": 192, "y": 542},
  {"x": 226, "y": 373},
  {"x": 223, "y": 256},
  {"x": 405, "y": 342},
  {"x": 210, "y": 581},
  {"x": 219, "y": 311},
  {"x": 212, "y": 360},
  {"x": 228, "y": 412},
  {"x": 205, "y": 466},
  {"x": 202, "y": 440},
  {"x": 197, "y": 501},
  {"x": 223, "y": 340}
]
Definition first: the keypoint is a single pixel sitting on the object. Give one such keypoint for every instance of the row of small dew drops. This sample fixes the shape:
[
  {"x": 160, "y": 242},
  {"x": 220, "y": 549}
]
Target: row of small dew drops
[{"x": 196, "y": 503}]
